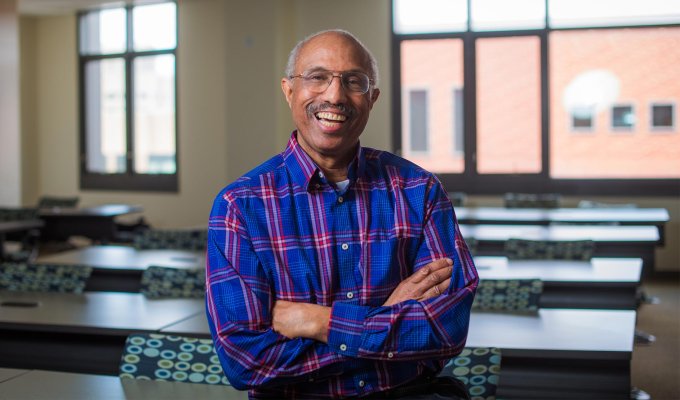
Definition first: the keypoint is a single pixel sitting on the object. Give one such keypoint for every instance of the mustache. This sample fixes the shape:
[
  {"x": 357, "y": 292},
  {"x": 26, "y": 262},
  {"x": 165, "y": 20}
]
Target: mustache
[{"x": 314, "y": 108}]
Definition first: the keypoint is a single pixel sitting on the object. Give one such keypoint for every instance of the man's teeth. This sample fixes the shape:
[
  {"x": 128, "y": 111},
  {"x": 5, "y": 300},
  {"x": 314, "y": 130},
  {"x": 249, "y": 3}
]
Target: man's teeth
[{"x": 331, "y": 116}]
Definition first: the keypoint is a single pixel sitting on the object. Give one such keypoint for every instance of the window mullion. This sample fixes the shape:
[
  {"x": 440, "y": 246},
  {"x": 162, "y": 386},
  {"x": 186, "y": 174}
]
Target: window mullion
[
  {"x": 470, "y": 104},
  {"x": 129, "y": 96}
]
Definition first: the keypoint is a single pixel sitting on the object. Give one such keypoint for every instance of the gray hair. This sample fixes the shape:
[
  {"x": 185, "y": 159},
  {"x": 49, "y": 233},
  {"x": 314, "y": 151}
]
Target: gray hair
[{"x": 293, "y": 56}]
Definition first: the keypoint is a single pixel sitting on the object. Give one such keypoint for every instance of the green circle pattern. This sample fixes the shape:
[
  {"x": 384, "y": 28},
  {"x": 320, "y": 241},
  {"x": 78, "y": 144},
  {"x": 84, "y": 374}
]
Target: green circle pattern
[
  {"x": 514, "y": 295},
  {"x": 171, "y": 358},
  {"x": 479, "y": 369}
]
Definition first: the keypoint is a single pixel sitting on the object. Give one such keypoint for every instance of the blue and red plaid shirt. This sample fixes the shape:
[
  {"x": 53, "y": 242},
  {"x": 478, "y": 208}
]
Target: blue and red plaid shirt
[{"x": 282, "y": 231}]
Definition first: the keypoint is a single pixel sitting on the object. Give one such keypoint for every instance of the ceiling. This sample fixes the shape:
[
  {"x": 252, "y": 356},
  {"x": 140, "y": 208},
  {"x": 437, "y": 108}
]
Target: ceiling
[{"x": 62, "y": 7}]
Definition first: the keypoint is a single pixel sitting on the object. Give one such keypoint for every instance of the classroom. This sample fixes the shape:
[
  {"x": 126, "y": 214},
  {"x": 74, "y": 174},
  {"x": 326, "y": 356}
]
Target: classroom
[{"x": 552, "y": 126}]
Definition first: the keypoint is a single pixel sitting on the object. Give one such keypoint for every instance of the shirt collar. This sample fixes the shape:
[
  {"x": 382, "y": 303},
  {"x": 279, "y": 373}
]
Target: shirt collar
[{"x": 303, "y": 169}]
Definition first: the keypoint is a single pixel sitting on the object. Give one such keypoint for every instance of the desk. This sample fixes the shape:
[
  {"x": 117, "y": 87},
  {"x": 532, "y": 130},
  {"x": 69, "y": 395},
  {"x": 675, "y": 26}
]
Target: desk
[
  {"x": 604, "y": 283},
  {"x": 120, "y": 268},
  {"x": 586, "y": 353},
  {"x": 80, "y": 332},
  {"x": 94, "y": 222},
  {"x": 9, "y": 373},
  {"x": 545, "y": 216},
  {"x": 16, "y": 226},
  {"x": 576, "y": 353},
  {"x": 610, "y": 241},
  {"x": 39, "y": 384}
]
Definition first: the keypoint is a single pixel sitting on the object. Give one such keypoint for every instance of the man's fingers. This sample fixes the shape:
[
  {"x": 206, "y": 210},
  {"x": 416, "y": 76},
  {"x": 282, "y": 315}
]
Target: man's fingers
[
  {"x": 437, "y": 290},
  {"x": 430, "y": 268}
]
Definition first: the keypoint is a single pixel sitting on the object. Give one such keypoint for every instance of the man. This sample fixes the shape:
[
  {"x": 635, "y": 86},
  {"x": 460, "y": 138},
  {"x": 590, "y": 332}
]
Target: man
[{"x": 336, "y": 270}]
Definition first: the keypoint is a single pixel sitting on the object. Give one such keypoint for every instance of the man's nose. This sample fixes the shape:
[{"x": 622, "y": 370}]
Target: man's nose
[{"x": 335, "y": 93}]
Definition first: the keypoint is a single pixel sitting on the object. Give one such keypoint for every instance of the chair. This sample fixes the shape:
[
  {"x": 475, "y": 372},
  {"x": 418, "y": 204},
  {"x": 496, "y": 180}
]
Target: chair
[
  {"x": 511, "y": 295},
  {"x": 58, "y": 202},
  {"x": 532, "y": 200},
  {"x": 152, "y": 356},
  {"x": 44, "y": 277},
  {"x": 457, "y": 198},
  {"x": 479, "y": 369},
  {"x": 27, "y": 248},
  {"x": 163, "y": 282},
  {"x": 172, "y": 239},
  {"x": 523, "y": 249}
]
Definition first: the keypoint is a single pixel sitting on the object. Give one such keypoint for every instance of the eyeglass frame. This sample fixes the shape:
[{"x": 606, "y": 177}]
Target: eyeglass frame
[{"x": 336, "y": 74}]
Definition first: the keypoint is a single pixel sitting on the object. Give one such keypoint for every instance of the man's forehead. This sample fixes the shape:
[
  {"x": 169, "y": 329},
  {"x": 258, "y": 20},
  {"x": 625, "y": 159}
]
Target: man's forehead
[{"x": 328, "y": 46}]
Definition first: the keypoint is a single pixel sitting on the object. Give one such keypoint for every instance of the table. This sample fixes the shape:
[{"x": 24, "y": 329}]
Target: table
[
  {"x": 602, "y": 283},
  {"x": 120, "y": 268},
  {"x": 95, "y": 222},
  {"x": 584, "y": 353},
  {"x": 9, "y": 373},
  {"x": 610, "y": 241},
  {"x": 80, "y": 332},
  {"x": 576, "y": 353},
  {"x": 37, "y": 384},
  {"x": 544, "y": 216},
  {"x": 16, "y": 226}
]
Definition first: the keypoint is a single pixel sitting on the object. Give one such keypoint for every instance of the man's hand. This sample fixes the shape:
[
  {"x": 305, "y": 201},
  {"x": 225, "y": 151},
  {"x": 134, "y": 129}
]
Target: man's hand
[
  {"x": 430, "y": 281},
  {"x": 301, "y": 320}
]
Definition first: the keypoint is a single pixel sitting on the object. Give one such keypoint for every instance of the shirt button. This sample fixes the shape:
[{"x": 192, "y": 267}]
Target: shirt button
[
  {"x": 362, "y": 383},
  {"x": 350, "y": 295},
  {"x": 390, "y": 355},
  {"x": 321, "y": 175},
  {"x": 340, "y": 199},
  {"x": 317, "y": 186},
  {"x": 345, "y": 246},
  {"x": 343, "y": 347}
]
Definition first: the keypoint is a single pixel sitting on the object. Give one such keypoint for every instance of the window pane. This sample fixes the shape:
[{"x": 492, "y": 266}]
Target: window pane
[
  {"x": 623, "y": 117},
  {"x": 418, "y": 113},
  {"x": 508, "y": 105},
  {"x": 105, "y": 115},
  {"x": 662, "y": 116},
  {"x": 154, "y": 27},
  {"x": 103, "y": 32},
  {"x": 154, "y": 100},
  {"x": 433, "y": 68},
  {"x": 606, "y": 67},
  {"x": 505, "y": 15},
  {"x": 424, "y": 16},
  {"x": 584, "y": 13},
  {"x": 582, "y": 118}
]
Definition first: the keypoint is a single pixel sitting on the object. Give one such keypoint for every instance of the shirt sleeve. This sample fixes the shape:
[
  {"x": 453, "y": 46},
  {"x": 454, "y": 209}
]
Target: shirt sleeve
[
  {"x": 239, "y": 299},
  {"x": 434, "y": 328}
]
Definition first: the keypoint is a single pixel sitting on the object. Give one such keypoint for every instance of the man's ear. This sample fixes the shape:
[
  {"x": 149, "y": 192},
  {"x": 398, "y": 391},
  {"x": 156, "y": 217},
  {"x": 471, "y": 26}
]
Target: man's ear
[
  {"x": 374, "y": 96},
  {"x": 287, "y": 89}
]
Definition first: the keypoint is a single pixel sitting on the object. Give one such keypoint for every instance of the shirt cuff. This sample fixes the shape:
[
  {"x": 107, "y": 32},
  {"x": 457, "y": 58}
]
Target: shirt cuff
[{"x": 346, "y": 328}]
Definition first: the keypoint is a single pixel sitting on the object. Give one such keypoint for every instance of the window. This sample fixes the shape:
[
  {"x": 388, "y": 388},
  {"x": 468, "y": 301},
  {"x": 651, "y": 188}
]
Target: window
[
  {"x": 539, "y": 93},
  {"x": 418, "y": 117},
  {"x": 581, "y": 118},
  {"x": 663, "y": 116},
  {"x": 457, "y": 123},
  {"x": 623, "y": 117},
  {"x": 128, "y": 100}
]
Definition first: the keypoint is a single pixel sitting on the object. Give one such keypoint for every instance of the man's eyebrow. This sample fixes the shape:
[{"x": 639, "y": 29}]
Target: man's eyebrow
[{"x": 322, "y": 69}]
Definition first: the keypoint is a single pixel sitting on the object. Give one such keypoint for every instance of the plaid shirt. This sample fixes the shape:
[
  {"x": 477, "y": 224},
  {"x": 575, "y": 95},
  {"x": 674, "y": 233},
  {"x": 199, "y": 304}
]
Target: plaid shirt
[{"x": 282, "y": 231}]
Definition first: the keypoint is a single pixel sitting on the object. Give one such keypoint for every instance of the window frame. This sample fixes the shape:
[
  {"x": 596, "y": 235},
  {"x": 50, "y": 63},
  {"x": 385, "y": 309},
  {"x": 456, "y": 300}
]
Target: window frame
[
  {"x": 469, "y": 180},
  {"x": 128, "y": 180}
]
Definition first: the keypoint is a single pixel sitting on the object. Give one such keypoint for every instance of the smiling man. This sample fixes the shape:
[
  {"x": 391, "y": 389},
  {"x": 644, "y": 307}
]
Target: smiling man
[{"x": 336, "y": 270}]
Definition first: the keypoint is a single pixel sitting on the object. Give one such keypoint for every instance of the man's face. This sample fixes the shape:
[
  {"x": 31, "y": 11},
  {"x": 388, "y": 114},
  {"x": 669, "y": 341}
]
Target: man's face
[{"x": 329, "y": 123}]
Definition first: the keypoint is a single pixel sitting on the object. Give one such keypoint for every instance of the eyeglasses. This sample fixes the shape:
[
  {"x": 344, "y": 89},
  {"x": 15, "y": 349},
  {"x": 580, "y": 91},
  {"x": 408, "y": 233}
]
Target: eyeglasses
[{"x": 319, "y": 81}]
